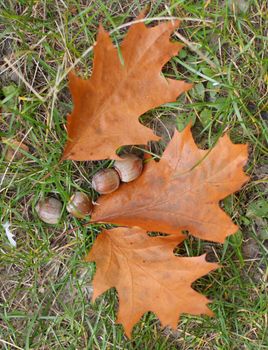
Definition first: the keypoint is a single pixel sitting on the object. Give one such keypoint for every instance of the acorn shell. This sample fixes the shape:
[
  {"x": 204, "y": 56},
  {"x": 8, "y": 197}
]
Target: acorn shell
[
  {"x": 106, "y": 181},
  {"x": 79, "y": 205},
  {"x": 129, "y": 168},
  {"x": 49, "y": 210}
]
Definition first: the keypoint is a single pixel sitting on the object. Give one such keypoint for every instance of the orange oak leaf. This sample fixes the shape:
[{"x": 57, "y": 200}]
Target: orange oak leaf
[
  {"x": 182, "y": 191},
  {"x": 148, "y": 276},
  {"x": 107, "y": 106}
]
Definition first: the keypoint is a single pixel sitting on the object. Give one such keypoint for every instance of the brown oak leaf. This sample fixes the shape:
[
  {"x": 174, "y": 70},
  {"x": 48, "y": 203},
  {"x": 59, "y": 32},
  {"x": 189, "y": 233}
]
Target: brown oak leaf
[
  {"x": 182, "y": 191},
  {"x": 148, "y": 276},
  {"x": 107, "y": 106}
]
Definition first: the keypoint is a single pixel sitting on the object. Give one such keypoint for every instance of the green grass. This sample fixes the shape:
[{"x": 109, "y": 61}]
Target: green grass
[{"x": 45, "y": 286}]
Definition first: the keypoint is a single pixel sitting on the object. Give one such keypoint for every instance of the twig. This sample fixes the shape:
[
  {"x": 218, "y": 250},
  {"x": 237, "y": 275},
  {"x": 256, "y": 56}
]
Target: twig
[
  {"x": 169, "y": 18},
  {"x": 128, "y": 24}
]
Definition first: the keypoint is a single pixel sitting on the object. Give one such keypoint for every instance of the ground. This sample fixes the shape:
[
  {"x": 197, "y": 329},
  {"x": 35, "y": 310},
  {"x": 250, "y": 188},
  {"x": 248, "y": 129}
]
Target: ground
[{"x": 45, "y": 286}]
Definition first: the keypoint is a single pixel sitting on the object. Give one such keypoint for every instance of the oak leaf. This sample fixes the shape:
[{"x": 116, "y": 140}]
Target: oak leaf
[
  {"x": 148, "y": 276},
  {"x": 182, "y": 191},
  {"x": 107, "y": 106}
]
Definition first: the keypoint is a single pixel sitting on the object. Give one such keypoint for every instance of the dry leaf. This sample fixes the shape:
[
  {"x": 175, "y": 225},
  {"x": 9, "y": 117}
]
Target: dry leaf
[
  {"x": 107, "y": 106},
  {"x": 14, "y": 148},
  {"x": 182, "y": 191},
  {"x": 148, "y": 276}
]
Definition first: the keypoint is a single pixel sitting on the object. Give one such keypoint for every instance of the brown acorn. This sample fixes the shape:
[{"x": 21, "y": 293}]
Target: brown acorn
[
  {"x": 129, "y": 168},
  {"x": 49, "y": 210},
  {"x": 79, "y": 205},
  {"x": 106, "y": 181}
]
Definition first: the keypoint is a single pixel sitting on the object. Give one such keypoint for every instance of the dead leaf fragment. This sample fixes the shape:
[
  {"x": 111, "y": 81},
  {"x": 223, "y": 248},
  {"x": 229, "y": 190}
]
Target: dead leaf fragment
[
  {"x": 182, "y": 191},
  {"x": 107, "y": 106},
  {"x": 148, "y": 276},
  {"x": 14, "y": 148}
]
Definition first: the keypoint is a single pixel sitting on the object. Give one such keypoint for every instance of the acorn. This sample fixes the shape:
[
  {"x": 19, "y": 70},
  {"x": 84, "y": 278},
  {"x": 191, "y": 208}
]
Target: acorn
[
  {"x": 106, "y": 181},
  {"x": 49, "y": 210},
  {"x": 129, "y": 168},
  {"x": 79, "y": 205}
]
